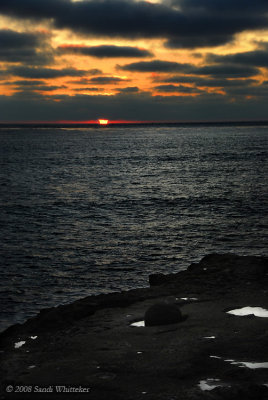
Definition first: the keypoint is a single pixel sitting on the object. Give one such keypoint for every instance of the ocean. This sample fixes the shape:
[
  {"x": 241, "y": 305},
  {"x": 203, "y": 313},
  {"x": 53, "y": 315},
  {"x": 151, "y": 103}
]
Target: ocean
[{"x": 90, "y": 210}]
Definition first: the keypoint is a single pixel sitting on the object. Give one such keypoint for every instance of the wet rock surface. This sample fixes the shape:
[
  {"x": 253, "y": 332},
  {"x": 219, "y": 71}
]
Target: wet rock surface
[{"x": 90, "y": 345}]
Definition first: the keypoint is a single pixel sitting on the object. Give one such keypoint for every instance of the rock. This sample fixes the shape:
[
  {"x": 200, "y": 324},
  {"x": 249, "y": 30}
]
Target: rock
[
  {"x": 243, "y": 267},
  {"x": 157, "y": 279},
  {"x": 163, "y": 314},
  {"x": 245, "y": 392},
  {"x": 91, "y": 342}
]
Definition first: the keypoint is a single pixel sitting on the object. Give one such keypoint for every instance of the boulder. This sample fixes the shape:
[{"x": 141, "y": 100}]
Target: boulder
[{"x": 163, "y": 314}]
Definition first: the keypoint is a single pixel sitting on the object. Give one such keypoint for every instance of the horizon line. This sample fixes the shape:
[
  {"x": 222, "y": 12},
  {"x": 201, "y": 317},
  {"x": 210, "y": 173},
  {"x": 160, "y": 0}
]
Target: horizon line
[{"x": 127, "y": 122}]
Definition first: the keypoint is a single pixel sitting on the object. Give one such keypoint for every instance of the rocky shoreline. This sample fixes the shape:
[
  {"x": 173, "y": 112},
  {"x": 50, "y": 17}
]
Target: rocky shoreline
[{"x": 90, "y": 349}]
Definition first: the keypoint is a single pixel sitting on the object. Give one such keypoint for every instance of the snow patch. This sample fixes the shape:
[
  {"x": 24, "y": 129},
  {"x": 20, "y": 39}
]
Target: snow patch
[
  {"x": 138, "y": 324},
  {"x": 188, "y": 298},
  {"x": 251, "y": 365},
  {"x": 19, "y": 344},
  {"x": 208, "y": 384},
  {"x": 257, "y": 311}
]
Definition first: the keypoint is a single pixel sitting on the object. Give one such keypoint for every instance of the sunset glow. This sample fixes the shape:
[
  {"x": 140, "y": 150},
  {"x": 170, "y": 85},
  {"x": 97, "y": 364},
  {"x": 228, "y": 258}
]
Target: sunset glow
[
  {"x": 103, "y": 121},
  {"x": 66, "y": 61}
]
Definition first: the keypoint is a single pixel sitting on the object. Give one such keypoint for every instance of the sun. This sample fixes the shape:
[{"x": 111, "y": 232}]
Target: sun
[{"x": 103, "y": 121}]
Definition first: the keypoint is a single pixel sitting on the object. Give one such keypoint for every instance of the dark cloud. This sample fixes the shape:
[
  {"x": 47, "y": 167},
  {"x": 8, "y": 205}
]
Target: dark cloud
[
  {"x": 51, "y": 88},
  {"x": 129, "y": 89},
  {"x": 27, "y": 86},
  {"x": 178, "y": 89},
  {"x": 15, "y": 40},
  {"x": 88, "y": 89},
  {"x": 257, "y": 58},
  {"x": 209, "y": 82},
  {"x": 41, "y": 88},
  {"x": 226, "y": 71},
  {"x": 222, "y": 71},
  {"x": 222, "y": 7},
  {"x": 45, "y": 73},
  {"x": 155, "y": 66},
  {"x": 25, "y": 83},
  {"x": 106, "y": 80},
  {"x": 86, "y": 81},
  {"x": 259, "y": 91},
  {"x": 82, "y": 81},
  {"x": 106, "y": 51},
  {"x": 136, "y": 106},
  {"x": 197, "y": 41},
  {"x": 194, "y": 23},
  {"x": 24, "y": 47},
  {"x": 225, "y": 82},
  {"x": 219, "y": 20},
  {"x": 95, "y": 71},
  {"x": 237, "y": 87},
  {"x": 178, "y": 79},
  {"x": 43, "y": 9}
]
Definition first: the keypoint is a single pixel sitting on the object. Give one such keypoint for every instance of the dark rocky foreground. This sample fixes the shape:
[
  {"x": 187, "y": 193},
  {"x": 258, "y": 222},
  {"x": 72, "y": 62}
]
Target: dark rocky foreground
[{"x": 90, "y": 346}]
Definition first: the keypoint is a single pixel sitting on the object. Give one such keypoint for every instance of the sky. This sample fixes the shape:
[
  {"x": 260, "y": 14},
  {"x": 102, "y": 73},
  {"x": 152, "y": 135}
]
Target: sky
[{"x": 130, "y": 60}]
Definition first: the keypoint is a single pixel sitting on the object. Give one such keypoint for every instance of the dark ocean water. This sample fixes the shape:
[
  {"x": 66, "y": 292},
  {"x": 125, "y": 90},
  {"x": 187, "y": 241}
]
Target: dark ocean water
[{"x": 87, "y": 210}]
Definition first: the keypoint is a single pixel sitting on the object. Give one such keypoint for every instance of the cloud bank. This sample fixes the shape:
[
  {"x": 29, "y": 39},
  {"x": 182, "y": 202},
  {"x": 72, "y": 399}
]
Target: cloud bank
[{"x": 183, "y": 23}]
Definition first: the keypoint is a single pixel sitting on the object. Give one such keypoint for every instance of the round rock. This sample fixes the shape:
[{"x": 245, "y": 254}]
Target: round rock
[{"x": 163, "y": 314}]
